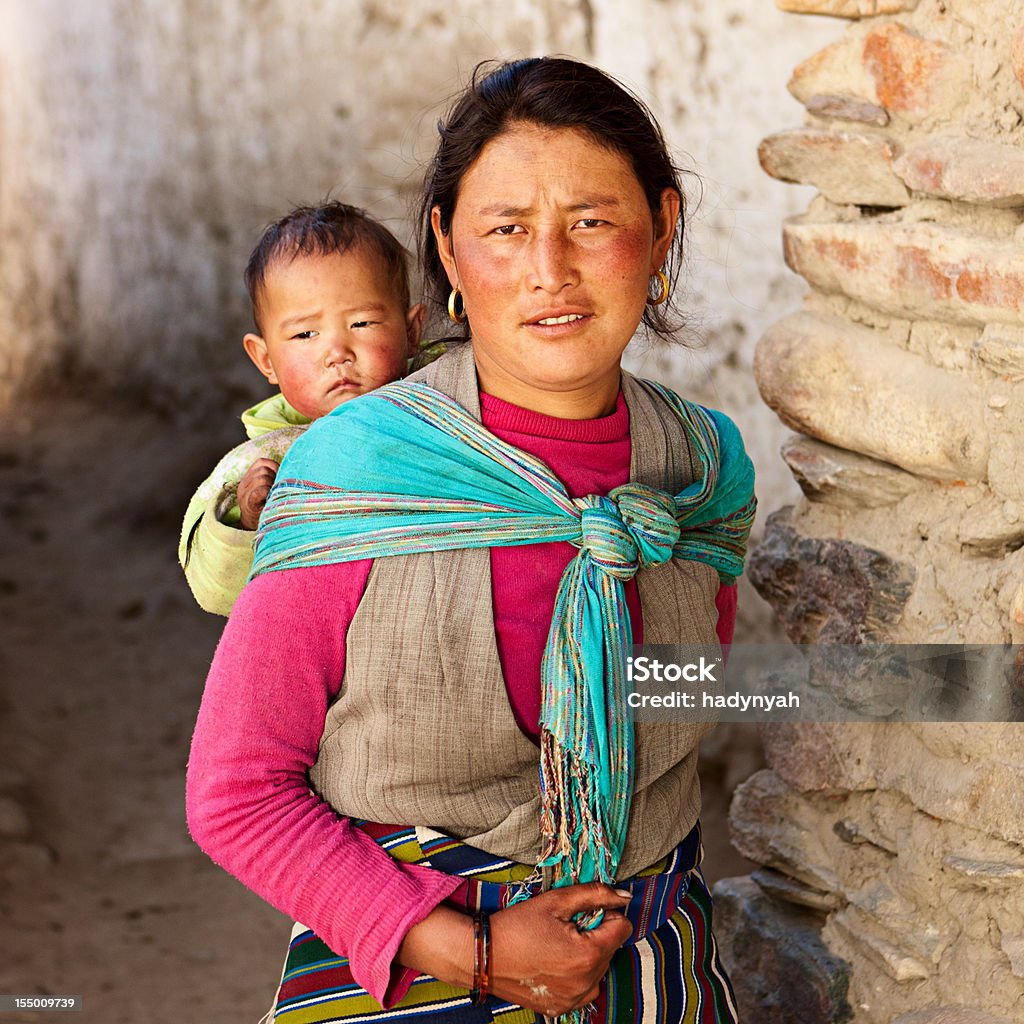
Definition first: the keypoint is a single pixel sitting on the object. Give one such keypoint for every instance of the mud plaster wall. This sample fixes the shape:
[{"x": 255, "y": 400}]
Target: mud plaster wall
[
  {"x": 143, "y": 145},
  {"x": 892, "y": 854}
]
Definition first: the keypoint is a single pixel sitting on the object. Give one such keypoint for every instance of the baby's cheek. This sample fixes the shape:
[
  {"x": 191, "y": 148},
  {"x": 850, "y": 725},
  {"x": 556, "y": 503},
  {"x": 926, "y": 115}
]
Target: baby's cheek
[
  {"x": 307, "y": 390},
  {"x": 392, "y": 357}
]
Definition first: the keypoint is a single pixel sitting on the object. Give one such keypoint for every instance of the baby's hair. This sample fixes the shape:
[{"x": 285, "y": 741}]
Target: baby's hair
[{"x": 331, "y": 227}]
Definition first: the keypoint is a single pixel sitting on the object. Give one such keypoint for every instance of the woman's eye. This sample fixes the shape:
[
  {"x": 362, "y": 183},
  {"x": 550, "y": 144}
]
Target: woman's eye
[
  {"x": 508, "y": 229},
  {"x": 590, "y": 222},
  {"x": 304, "y": 335}
]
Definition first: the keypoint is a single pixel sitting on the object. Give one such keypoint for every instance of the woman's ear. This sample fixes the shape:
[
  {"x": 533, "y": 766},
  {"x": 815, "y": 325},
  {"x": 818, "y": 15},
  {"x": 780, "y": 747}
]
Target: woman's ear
[
  {"x": 256, "y": 349},
  {"x": 665, "y": 219},
  {"x": 444, "y": 247}
]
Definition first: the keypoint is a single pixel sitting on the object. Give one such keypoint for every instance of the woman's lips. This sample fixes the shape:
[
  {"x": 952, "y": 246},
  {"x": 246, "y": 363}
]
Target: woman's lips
[
  {"x": 552, "y": 320},
  {"x": 558, "y": 321}
]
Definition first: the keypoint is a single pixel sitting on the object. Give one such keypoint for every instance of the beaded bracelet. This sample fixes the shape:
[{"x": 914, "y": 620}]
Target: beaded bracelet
[{"x": 481, "y": 958}]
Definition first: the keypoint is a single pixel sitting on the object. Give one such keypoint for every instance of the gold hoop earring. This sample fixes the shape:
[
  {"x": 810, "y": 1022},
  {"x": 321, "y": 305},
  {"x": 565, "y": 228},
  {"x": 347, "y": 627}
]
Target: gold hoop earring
[
  {"x": 456, "y": 307},
  {"x": 662, "y": 289}
]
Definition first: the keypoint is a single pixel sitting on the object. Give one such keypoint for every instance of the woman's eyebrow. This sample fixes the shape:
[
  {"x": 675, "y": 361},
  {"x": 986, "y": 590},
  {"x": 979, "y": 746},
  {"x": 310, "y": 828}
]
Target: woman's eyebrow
[
  {"x": 500, "y": 210},
  {"x": 589, "y": 202},
  {"x": 592, "y": 202}
]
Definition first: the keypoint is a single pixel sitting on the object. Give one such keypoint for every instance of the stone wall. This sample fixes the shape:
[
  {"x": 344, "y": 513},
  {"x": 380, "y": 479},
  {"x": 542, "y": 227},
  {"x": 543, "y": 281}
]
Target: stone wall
[{"x": 893, "y": 856}]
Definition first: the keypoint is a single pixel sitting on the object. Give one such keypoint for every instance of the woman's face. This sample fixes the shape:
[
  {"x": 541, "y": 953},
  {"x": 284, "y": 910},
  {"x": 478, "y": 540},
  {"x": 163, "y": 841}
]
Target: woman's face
[{"x": 552, "y": 244}]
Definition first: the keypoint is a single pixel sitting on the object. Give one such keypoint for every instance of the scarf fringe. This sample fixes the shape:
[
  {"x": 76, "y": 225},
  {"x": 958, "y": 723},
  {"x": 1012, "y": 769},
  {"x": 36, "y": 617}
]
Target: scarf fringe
[{"x": 573, "y": 817}]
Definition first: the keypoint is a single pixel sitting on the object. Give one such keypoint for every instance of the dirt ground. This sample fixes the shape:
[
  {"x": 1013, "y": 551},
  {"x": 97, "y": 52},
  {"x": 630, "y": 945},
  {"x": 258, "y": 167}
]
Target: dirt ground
[{"x": 102, "y": 662}]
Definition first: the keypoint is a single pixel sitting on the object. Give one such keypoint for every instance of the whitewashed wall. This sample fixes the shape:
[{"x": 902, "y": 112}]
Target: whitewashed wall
[{"x": 144, "y": 143}]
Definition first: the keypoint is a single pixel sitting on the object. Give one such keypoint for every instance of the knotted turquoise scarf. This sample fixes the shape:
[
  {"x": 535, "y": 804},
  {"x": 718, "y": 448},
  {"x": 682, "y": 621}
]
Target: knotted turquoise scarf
[{"x": 405, "y": 469}]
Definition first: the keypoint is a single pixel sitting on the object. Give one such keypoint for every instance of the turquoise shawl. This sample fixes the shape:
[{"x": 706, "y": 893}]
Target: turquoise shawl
[{"x": 405, "y": 469}]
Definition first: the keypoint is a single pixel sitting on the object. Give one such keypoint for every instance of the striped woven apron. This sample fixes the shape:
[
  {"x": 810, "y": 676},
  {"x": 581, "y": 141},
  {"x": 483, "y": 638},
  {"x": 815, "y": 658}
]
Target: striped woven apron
[{"x": 668, "y": 972}]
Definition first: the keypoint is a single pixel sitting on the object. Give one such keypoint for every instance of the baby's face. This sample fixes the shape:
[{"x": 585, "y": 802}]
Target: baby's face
[{"x": 333, "y": 328}]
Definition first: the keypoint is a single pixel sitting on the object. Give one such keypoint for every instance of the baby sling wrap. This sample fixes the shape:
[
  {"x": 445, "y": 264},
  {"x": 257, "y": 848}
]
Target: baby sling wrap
[{"x": 422, "y": 730}]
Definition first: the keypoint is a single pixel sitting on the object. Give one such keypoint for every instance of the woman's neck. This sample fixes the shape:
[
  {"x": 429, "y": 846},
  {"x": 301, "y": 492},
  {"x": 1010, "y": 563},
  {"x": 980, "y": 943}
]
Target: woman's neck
[
  {"x": 588, "y": 401},
  {"x": 514, "y": 424}
]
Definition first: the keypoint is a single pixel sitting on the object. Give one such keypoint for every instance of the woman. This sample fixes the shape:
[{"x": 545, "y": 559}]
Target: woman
[{"x": 409, "y": 689}]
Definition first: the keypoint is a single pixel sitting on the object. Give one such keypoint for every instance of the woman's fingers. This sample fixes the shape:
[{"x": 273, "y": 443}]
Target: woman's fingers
[
  {"x": 541, "y": 959},
  {"x": 583, "y": 904},
  {"x": 581, "y": 899}
]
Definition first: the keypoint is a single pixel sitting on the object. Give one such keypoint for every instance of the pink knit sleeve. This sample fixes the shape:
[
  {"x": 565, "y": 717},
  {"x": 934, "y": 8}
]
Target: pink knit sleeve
[{"x": 279, "y": 664}]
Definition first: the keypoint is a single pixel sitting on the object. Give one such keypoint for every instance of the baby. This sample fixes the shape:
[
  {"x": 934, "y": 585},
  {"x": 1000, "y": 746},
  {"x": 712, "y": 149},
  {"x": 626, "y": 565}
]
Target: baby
[{"x": 329, "y": 288}]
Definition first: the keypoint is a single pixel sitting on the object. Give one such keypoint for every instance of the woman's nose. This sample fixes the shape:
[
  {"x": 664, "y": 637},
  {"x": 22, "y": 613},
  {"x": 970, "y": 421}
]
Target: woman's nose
[{"x": 553, "y": 263}]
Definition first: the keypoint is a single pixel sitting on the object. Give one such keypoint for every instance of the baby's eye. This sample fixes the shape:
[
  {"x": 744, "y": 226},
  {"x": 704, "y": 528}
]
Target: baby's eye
[
  {"x": 304, "y": 335},
  {"x": 365, "y": 323}
]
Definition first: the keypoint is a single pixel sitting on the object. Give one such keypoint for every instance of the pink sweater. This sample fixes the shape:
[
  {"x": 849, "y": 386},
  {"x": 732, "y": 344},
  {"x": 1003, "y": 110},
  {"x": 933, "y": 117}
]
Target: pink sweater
[{"x": 280, "y": 663}]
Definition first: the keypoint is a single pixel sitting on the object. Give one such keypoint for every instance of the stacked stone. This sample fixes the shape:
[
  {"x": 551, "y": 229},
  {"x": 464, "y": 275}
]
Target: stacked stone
[{"x": 893, "y": 855}]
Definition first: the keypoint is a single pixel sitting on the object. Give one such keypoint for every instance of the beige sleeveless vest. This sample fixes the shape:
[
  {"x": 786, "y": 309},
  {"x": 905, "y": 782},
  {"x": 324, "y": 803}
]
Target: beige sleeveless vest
[{"x": 422, "y": 732}]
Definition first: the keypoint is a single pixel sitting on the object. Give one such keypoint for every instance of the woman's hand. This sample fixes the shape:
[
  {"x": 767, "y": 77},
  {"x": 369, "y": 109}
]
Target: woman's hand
[{"x": 539, "y": 959}]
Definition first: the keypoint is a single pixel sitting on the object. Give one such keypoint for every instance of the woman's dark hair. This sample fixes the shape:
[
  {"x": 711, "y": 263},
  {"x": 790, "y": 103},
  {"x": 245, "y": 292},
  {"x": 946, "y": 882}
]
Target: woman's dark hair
[
  {"x": 553, "y": 92},
  {"x": 324, "y": 230}
]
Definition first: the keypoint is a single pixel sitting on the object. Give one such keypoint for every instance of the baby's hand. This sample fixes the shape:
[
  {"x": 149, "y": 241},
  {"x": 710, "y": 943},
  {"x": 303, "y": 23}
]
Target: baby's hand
[{"x": 253, "y": 489}]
